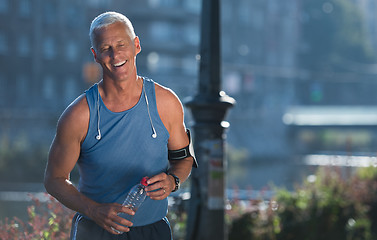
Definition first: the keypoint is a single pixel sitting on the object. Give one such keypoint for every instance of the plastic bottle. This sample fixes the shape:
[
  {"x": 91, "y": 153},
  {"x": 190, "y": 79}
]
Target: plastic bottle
[{"x": 134, "y": 199}]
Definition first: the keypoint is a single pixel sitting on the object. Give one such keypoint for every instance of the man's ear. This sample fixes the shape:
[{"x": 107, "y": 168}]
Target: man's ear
[
  {"x": 94, "y": 54},
  {"x": 137, "y": 45}
]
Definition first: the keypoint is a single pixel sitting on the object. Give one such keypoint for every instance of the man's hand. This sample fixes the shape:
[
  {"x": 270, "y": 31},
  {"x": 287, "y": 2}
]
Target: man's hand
[
  {"x": 106, "y": 216},
  {"x": 160, "y": 186}
]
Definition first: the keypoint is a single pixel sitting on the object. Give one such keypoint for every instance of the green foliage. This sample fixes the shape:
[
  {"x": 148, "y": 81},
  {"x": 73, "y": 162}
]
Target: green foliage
[
  {"x": 20, "y": 161},
  {"x": 178, "y": 219},
  {"x": 47, "y": 221},
  {"x": 23, "y": 161},
  {"x": 50, "y": 220},
  {"x": 330, "y": 206},
  {"x": 237, "y": 164}
]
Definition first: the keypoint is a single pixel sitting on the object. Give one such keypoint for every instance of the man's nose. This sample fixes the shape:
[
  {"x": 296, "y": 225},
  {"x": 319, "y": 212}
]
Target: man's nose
[{"x": 114, "y": 53}]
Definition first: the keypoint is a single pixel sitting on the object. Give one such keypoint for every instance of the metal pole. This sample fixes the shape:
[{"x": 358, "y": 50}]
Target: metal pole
[{"x": 206, "y": 220}]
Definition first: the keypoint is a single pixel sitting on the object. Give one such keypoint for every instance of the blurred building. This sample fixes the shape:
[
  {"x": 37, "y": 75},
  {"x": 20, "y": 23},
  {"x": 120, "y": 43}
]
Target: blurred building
[
  {"x": 46, "y": 60},
  {"x": 261, "y": 44},
  {"x": 369, "y": 8},
  {"x": 41, "y": 54},
  {"x": 259, "y": 71},
  {"x": 46, "y": 63},
  {"x": 169, "y": 34}
]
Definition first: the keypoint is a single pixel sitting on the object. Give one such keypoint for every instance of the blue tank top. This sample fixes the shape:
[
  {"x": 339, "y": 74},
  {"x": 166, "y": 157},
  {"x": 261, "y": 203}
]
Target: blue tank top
[{"x": 127, "y": 152}]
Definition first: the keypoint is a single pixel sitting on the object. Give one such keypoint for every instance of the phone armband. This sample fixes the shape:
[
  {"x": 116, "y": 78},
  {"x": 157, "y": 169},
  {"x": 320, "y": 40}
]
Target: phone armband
[{"x": 185, "y": 152}]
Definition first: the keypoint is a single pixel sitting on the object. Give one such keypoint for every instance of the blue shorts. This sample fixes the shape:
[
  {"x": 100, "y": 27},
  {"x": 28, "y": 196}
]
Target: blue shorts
[{"x": 86, "y": 229}]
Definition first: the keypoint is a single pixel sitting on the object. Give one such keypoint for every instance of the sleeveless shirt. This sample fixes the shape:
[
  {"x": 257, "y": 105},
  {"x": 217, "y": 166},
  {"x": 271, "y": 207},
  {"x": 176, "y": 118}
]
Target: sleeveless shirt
[{"x": 126, "y": 152}]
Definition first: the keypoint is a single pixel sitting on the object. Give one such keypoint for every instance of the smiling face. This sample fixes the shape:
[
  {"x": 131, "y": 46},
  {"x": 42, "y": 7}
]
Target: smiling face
[{"x": 116, "y": 52}]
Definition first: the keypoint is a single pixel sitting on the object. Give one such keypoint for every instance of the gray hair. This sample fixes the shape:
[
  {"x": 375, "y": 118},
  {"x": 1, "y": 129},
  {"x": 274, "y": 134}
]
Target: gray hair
[{"x": 107, "y": 18}]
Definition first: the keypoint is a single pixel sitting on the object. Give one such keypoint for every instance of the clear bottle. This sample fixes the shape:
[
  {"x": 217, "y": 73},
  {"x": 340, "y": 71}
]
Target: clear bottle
[{"x": 134, "y": 199}]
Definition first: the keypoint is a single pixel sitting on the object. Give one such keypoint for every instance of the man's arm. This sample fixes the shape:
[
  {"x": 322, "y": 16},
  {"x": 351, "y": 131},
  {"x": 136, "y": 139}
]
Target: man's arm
[
  {"x": 64, "y": 153},
  {"x": 171, "y": 113}
]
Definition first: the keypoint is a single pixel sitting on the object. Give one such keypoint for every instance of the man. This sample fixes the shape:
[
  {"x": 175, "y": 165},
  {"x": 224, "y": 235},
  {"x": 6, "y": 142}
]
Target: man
[{"x": 120, "y": 130}]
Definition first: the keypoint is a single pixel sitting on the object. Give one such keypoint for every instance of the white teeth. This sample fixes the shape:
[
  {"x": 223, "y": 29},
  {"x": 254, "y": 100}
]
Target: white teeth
[{"x": 119, "y": 64}]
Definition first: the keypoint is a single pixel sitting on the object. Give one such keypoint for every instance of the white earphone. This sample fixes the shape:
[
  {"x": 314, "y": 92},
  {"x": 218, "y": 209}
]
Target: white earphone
[
  {"x": 98, "y": 137},
  {"x": 154, "y": 135}
]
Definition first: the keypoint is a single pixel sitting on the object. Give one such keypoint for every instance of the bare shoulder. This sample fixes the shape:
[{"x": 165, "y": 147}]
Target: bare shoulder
[
  {"x": 65, "y": 148},
  {"x": 74, "y": 121},
  {"x": 167, "y": 97},
  {"x": 169, "y": 108}
]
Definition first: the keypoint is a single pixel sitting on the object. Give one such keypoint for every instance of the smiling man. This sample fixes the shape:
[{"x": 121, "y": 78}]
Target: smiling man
[{"x": 123, "y": 128}]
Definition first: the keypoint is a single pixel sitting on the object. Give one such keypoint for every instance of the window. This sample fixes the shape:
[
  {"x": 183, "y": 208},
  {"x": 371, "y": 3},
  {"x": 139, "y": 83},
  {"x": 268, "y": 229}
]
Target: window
[
  {"x": 190, "y": 65},
  {"x": 98, "y": 3},
  {"x": 24, "y": 8},
  {"x": 232, "y": 83},
  {"x": 48, "y": 87},
  {"x": 2, "y": 89},
  {"x": 71, "y": 51},
  {"x": 164, "y": 3},
  {"x": 192, "y": 34},
  {"x": 170, "y": 3},
  {"x": 153, "y": 3},
  {"x": 162, "y": 62},
  {"x": 23, "y": 46},
  {"x": 4, "y": 6},
  {"x": 193, "y": 5},
  {"x": 227, "y": 12},
  {"x": 257, "y": 19},
  {"x": 73, "y": 17},
  {"x": 49, "y": 13},
  {"x": 244, "y": 12},
  {"x": 160, "y": 31},
  {"x": 168, "y": 63},
  {"x": 21, "y": 88},
  {"x": 3, "y": 43},
  {"x": 70, "y": 90},
  {"x": 49, "y": 48},
  {"x": 152, "y": 61}
]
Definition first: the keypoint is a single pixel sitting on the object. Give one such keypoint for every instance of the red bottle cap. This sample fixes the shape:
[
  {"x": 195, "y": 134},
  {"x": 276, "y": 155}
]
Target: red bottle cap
[{"x": 144, "y": 181}]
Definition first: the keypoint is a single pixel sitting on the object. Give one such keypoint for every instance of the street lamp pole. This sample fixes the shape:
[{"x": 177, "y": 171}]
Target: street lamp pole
[{"x": 206, "y": 220}]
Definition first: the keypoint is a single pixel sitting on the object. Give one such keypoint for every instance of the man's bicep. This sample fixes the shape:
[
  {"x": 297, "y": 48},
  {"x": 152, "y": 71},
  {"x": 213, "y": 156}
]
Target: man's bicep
[
  {"x": 65, "y": 148},
  {"x": 178, "y": 137},
  {"x": 61, "y": 159}
]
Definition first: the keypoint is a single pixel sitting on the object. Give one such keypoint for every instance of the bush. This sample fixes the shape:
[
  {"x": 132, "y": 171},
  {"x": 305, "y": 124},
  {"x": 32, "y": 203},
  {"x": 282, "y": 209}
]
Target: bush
[
  {"x": 329, "y": 206},
  {"x": 20, "y": 161},
  {"x": 48, "y": 221}
]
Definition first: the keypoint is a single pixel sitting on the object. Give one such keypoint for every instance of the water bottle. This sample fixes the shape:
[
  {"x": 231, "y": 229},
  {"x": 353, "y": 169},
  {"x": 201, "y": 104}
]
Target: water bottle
[{"x": 134, "y": 199}]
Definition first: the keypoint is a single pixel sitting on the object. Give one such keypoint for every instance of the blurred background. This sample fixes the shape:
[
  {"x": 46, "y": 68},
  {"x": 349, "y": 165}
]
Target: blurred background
[{"x": 303, "y": 73}]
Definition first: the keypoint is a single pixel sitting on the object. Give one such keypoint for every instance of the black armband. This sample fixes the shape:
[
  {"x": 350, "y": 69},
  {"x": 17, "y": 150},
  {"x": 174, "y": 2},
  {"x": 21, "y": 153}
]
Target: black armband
[{"x": 183, "y": 153}]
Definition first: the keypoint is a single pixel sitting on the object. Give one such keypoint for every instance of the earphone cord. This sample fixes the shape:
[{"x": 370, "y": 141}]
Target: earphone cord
[
  {"x": 154, "y": 135},
  {"x": 98, "y": 115}
]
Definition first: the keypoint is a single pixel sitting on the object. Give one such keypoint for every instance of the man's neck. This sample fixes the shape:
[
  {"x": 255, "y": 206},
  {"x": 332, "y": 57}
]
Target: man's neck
[{"x": 121, "y": 95}]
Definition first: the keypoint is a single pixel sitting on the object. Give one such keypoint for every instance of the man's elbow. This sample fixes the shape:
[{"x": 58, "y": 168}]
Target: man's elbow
[
  {"x": 51, "y": 183},
  {"x": 47, "y": 181}
]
